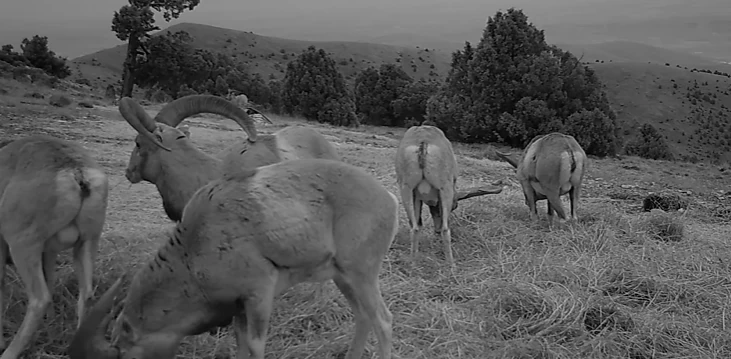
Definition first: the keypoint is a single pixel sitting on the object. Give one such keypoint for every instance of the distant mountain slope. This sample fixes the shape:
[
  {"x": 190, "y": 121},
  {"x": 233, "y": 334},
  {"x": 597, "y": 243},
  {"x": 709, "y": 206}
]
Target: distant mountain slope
[
  {"x": 628, "y": 51},
  {"x": 652, "y": 93},
  {"x": 421, "y": 40},
  {"x": 269, "y": 55},
  {"x": 639, "y": 91},
  {"x": 707, "y": 34}
]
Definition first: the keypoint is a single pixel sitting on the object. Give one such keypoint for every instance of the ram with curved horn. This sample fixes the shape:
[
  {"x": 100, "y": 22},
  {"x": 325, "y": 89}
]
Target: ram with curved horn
[
  {"x": 165, "y": 156},
  {"x": 426, "y": 172},
  {"x": 244, "y": 239},
  {"x": 551, "y": 166},
  {"x": 53, "y": 197}
]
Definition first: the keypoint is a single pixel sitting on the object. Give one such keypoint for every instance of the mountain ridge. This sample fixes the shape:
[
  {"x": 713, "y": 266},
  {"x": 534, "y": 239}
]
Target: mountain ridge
[
  {"x": 269, "y": 55},
  {"x": 644, "y": 83}
]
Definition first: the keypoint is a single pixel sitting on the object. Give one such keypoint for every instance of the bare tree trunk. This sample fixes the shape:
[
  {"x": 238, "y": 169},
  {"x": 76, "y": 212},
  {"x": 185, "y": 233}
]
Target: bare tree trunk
[{"x": 130, "y": 63}]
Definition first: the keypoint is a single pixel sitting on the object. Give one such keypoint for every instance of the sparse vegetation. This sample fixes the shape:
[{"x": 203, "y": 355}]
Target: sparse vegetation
[
  {"x": 254, "y": 51},
  {"x": 620, "y": 283},
  {"x": 694, "y": 126},
  {"x": 35, "y": 53},
  {"x": 649, "y": 144},
  {"x": 582, "y": 291}
]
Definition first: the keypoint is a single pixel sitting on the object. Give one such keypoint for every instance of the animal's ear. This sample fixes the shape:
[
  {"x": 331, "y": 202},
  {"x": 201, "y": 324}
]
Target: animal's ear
[
  {"x": 508, "y": 157},
  {"x": 494, "y": 188},
  {"x": 185, "y": 129}
]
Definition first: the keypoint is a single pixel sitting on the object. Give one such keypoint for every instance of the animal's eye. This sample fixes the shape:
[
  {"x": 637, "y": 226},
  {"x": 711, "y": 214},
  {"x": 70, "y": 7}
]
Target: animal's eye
[{"x": 137, "y": 145}]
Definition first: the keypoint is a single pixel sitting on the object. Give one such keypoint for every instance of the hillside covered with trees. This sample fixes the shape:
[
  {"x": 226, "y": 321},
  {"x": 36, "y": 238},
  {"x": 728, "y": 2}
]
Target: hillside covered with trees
[
  {"x": 269, "y": 56},
  {"x": 35, "y": 59},
  {"x": 508, "y": 88}
]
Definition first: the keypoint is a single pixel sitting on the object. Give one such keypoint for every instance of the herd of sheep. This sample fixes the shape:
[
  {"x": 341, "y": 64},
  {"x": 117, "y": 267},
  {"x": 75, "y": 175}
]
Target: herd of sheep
[{"x": 268, "y": 213}]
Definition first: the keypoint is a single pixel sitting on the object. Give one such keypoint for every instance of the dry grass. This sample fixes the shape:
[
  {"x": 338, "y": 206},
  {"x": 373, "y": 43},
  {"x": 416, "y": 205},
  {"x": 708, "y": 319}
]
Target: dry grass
[
  {"x": 642, "y": 92},
  {"x": 600, "y": 288}
]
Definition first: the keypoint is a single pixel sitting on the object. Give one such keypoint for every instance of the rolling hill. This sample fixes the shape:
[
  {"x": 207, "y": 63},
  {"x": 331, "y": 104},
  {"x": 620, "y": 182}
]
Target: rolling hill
[
  {"x": 644, "y": 83},
  {"x": 706, "y": 35},
  {"x": 269, "y": 55},
  {"x": 629, "y": 51},
  {"x": 690, "y": 109}
]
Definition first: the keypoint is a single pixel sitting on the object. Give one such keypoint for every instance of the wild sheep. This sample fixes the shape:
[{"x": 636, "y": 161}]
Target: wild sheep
[
  {"x": 243, "y": 239},
  {"x": 426, "y": 172},
  {"x": 53, "y": 196},
  {"x": 165, "y": 156},
  {"x": 551, "y": 165}
]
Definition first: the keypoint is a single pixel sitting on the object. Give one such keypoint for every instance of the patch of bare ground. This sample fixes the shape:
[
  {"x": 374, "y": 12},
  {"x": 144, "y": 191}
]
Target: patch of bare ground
[{"x": 605, "y": 287}]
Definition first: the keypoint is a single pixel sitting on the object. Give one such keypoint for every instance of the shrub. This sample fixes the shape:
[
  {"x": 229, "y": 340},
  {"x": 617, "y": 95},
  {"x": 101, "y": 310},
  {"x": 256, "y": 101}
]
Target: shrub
[
  {"x": 339, "y": 112},
  {"x": 590, "y": 129},
  {"x": 649, "y": 144},
  {"x": 186, "y": 91},
  {"x": 39, "y": 55},
  {"x": 311, "y": 83},
  {"x": 83, "y": 81}
]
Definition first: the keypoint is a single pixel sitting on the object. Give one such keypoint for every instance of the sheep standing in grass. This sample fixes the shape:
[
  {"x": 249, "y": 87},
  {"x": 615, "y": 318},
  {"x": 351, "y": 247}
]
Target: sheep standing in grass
[
  {"x": 551, "y": 165},
  {"x": 426, "y": 172}
]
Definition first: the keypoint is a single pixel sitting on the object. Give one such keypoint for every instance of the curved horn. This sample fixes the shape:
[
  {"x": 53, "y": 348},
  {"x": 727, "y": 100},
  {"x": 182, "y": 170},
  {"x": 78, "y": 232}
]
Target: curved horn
[
  {"x": 249, "y": 110},
  {"x": 507, "y": 158},
  {"x": 136, "y": 116},
  {"x": 89, "y": 342},
  {"x": 494, "y": 188},
  {"x": 175, "y": 112}
]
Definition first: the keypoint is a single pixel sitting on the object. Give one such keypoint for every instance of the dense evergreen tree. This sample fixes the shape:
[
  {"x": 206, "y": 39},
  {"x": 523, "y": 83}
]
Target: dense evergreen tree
[
  {"x": 39, "y": 55},
  {"x": 387, "y": 96},
  {"x": 34, "y": 52},
  {"x": 133, "y": 24},
  {"x": 514, "y": 86},
  {"x": 314, "y": 89},
  {"x": 376, "y": 91},
  {"x": 409, "y": 108}
]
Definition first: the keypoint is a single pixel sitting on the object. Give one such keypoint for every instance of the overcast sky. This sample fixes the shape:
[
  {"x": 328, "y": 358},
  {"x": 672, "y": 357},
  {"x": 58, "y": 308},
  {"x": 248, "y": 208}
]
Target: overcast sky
[{"x": 78, "y": 27}]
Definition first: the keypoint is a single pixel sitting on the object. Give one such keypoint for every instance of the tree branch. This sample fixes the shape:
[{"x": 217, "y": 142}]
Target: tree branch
[{"x": 578, "y": 62}]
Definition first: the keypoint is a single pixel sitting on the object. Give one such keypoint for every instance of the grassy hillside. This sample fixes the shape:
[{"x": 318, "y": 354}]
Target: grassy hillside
[
  {"x": 424, "y": 40},
  {"x": 639, "y": 91},
  {"x": 691, "y": 109},
  {"x": 603, "y": 287},
  {"x": 269, "y": 55}
]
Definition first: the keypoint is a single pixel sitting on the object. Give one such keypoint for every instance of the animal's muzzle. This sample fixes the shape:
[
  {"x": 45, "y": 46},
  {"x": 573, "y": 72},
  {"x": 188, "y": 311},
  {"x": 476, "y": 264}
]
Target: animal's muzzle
[{"x": 133, "y": 176}]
